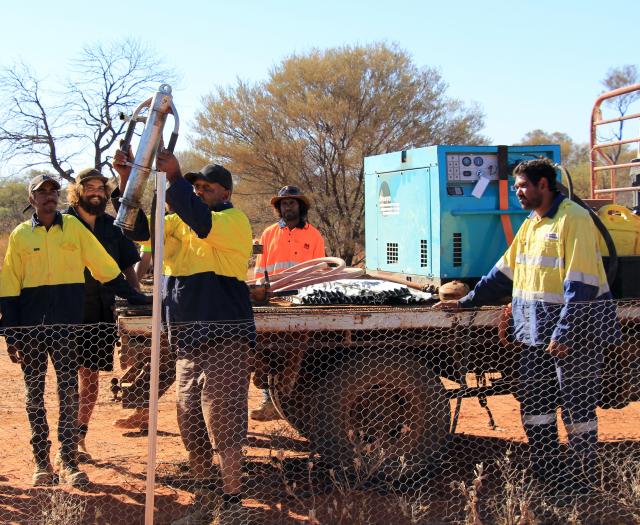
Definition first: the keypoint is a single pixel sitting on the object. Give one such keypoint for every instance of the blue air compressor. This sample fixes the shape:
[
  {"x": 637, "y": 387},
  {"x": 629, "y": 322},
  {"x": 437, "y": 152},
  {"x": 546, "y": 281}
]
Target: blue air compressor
[{"x": 440, "y": 213}]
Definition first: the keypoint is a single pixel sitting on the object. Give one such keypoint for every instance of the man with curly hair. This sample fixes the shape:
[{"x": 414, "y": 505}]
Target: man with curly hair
[{"x": 87, "y": 202}]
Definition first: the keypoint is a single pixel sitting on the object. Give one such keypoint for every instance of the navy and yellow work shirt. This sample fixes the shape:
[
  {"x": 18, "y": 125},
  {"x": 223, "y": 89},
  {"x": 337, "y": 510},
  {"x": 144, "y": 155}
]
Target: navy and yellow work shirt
[
  {"x": 283, "y": 247},
  {"x": 554, "y": 272},
  {"x": 98, "y": 300},
  {"x": 206, "y": 256},
  {"x": 42, "y": 278}
]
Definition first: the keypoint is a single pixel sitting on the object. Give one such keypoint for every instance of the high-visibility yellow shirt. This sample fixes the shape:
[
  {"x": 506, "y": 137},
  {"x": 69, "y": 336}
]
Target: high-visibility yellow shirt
[
  {"x": 42, "y": 278},
  {"x": 206, "y": 256},
  {"x": 553, "y": 269},
  {"x": 224, "y": 251}
]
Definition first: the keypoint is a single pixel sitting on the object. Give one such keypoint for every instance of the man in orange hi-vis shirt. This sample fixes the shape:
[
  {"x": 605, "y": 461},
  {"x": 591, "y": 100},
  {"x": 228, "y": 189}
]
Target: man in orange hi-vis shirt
[{"x": 290, "y": 241}]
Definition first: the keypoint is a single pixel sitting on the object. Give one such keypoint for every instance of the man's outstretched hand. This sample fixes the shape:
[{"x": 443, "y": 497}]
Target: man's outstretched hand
[
  {"x": 122, "y": 164},
  {"x": 450, "y": 306}
]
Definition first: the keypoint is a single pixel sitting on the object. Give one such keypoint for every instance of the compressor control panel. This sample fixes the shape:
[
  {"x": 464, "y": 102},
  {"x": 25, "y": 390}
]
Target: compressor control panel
[{"x": 469, "y": 167}]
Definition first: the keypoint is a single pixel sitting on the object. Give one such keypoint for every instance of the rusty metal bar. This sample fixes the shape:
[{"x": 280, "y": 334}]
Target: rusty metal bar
[
  {"x": 618, "y": 119},
  {"x": 617, "y": 190},
  {"x": 617, "y": 166},
  {"x": 616, "y": 143},
  {"x": 594, "y": 151}
]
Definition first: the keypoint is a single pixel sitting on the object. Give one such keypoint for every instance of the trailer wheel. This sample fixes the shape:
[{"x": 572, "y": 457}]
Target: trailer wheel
[
  {"x": 297, "y": 406},
  {"x": 382, "y": 409}
]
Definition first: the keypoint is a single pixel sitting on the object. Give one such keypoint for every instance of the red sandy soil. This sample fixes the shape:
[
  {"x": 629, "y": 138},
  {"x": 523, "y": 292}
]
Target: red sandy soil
[{"x": 117, "y": 492}]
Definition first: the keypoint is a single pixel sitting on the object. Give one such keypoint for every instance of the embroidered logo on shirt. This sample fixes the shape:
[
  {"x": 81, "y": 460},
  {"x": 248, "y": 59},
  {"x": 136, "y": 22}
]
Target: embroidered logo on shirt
[
  {"x": 552, "y": 236},
  {"x": 306, "y": 246}
]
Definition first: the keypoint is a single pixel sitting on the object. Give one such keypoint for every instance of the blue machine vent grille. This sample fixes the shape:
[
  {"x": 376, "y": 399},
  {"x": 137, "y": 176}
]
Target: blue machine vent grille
[
  {"x": 457, "y": 249},
  {"x": 392, "y": 252},
  {"x": 424, "y": 254}
]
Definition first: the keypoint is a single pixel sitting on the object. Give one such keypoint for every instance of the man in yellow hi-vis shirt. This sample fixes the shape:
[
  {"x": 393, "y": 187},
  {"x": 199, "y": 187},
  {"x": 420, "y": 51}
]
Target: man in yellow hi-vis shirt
[
  {"x": 564, "y": 316},
  {"x": 42, "y": 284},
  {"x": 209, "y": 318}
]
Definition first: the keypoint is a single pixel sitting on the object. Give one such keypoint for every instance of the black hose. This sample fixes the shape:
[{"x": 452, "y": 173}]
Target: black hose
[{"x": 612, "y": 270}]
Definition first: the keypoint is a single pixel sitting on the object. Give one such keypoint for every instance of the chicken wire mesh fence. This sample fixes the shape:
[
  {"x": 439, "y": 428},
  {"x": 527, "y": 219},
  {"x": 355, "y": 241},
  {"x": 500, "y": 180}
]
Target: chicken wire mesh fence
[{"x": 330, "y": 415}]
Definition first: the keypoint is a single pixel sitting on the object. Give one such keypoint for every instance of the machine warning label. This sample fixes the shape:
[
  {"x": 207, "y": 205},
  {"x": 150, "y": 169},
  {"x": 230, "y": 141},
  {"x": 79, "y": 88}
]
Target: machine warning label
[{"x": 385, "y": 203}]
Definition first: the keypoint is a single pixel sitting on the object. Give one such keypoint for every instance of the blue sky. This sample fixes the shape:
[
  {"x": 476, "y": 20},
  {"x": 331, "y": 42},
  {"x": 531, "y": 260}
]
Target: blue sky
[{"x": 527, "y": 64}]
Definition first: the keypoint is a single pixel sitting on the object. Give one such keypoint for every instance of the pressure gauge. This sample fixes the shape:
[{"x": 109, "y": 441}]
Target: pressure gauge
[
  {"x": 478, "y": 161},
  {"x": 466, "y": 161}
]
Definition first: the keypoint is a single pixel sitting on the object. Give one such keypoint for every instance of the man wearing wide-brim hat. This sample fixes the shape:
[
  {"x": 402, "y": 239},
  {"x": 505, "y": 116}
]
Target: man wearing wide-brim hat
[{"x": 290, "y": 241}]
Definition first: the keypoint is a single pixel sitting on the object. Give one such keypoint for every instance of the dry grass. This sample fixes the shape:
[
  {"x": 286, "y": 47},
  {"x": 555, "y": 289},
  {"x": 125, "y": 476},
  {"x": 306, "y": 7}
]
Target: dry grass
[
  {"x": 471, "y": 495},
  {"x": 62, "y": 508},
  {"x": 415, "y": 508},
  {"x": 514, "y": 504},
  {"x": 350, "y": 500},
  {"x": 623, "y": 489}
]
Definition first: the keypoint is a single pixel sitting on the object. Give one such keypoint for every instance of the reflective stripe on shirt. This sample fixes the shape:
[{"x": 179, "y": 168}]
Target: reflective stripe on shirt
[
  {"x": 581, "y": 277},
  {"x": 539, "y": 260},
  {"x": 542, "y": 419},
  {"x": 582, "y": 428},
  {"x": 546, "y": 297}
]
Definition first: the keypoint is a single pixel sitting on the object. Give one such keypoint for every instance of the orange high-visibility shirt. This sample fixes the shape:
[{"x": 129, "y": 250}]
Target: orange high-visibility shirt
[{"x": 283, "y": 248}]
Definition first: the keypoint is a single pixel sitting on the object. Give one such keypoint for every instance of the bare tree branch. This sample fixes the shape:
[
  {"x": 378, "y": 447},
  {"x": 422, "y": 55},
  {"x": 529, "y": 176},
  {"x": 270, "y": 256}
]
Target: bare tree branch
[
  {"x": 31, "y": 126},
  {"x": 44, "y": 128}
]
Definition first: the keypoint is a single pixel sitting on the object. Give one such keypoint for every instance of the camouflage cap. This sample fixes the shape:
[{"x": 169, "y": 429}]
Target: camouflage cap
[
  {"x": 39, "y": 180},
  {"x": 88, "y": 174}
]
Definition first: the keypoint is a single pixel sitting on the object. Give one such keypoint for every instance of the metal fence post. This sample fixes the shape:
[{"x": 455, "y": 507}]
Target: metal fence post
[{"x": 156, "y": 328}]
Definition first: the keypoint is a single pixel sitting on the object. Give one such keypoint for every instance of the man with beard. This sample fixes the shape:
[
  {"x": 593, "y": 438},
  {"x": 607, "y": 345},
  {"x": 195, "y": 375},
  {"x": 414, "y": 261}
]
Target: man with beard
[
  {"x": 564, "y": 318},
  {"x": 209, "y": 319},
  {"x": 290, "y": 241},
  {"x": 87, "y": 202},
  {"x": 42, "y": 299}
]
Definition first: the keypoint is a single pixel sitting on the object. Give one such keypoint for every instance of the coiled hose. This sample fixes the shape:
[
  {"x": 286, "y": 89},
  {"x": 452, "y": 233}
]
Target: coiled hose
[{"x": 320, "y": 270}]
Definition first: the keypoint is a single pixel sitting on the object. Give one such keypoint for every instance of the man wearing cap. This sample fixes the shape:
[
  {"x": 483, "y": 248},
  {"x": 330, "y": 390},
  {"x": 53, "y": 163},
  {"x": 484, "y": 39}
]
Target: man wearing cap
[
  {"x": 42, "y": 284},
  {"x": 87, "y": 202},
  {"x": 290, "y": 241},
  {"x": 207, "y": 308}
]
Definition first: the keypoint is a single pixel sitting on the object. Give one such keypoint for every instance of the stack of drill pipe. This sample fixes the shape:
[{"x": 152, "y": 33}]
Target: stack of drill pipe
[
  {"x": 321, "y": 270},
  {"x": 360, "y": 292}
]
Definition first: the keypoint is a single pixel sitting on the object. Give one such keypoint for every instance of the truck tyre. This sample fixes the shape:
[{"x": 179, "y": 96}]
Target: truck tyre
[
  {"x": 297, "y": 406},
  {"x": 380, "y": 409}
]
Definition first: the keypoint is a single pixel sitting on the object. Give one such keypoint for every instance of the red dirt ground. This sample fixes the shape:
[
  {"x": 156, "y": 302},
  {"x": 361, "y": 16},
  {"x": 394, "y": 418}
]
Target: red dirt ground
[{"x": 117, "y": 493}]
